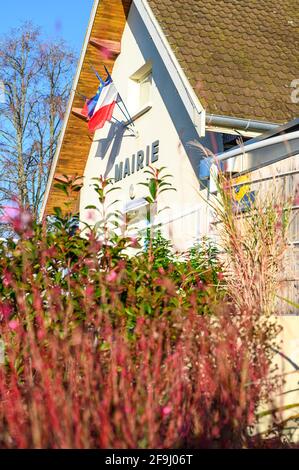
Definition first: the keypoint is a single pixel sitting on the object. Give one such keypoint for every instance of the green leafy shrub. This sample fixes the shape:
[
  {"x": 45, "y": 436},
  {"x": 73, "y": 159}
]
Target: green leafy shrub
[{"x": 103, "y": 349}]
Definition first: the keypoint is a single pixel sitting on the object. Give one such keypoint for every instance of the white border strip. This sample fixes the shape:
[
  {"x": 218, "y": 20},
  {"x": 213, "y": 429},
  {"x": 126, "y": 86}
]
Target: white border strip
[
  {"x": 258, "y": 145},
  {"x": 181, "y": 82},
  {"x": 69, "y": 107}
]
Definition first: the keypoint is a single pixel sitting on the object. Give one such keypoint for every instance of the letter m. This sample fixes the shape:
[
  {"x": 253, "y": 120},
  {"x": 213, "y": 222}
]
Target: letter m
[{"x": 118, "y": 172}]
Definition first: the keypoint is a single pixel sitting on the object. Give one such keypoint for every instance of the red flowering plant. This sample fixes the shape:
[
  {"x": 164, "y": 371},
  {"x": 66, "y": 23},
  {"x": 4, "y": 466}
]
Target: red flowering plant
[
  {"x": 19, "y": 219},
  {"x": 107, "y": 350}
]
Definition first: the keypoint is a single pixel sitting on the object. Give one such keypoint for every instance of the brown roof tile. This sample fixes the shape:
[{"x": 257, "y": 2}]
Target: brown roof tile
[{"x": 239, "y": 56}]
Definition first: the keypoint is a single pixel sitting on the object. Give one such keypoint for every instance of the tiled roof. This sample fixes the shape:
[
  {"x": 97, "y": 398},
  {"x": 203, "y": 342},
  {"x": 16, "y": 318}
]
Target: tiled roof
[{"x": 240, "y": 56}]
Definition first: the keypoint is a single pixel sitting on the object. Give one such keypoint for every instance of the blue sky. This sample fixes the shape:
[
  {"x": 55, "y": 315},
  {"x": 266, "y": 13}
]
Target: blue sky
[{"x": 65, "y": 18}]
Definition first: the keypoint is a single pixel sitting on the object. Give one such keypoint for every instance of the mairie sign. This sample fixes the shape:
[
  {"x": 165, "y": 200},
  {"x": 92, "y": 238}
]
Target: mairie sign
[{"x": 137, "y": 162}]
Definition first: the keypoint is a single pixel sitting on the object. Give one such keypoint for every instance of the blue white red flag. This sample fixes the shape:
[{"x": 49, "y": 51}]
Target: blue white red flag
[{"x": 99, "y": 109}]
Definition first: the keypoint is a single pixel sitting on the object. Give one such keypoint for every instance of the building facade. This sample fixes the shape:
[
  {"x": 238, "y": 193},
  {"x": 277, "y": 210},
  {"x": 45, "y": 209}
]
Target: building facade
[
  {"x": 194, "y": 77},
  {"x": 190, "y": 78}
]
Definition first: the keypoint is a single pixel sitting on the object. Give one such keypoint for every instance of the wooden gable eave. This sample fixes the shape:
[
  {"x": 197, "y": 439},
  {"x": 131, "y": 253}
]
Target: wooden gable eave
[
  {"x": 106, "y": 32},
  {"x": 108, "y": 49}
]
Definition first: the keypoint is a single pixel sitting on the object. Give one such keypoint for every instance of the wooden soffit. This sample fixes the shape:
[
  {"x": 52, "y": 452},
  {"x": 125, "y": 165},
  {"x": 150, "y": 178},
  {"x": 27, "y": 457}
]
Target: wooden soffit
[{"x": 102, "y": 49}]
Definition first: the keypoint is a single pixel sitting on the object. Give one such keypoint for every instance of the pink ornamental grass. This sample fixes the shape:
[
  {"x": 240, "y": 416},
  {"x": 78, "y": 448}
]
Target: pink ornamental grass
[
  {"x": 112, "y": 276},
  {"x": 144, "y": 362},
  {"x": 186, "y": 380},
  {"x": 13, "y": 324}
]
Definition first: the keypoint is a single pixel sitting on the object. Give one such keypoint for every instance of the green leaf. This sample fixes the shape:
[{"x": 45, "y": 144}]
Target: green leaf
[
  {"x": 76, "y": 189},
  {"x": 113, "y": 189},
  {"x": 167, "y": 189},
  {"x": 149, "y": 200},
  {"x": 62, "y": 188},
  {"x": 112, "y": 203},
  {"x": 58, "y": 211},
  {"x": 290, "y": 302},
  {"x": 153, "y": 189},
  {"x": 275, "y": 410}
]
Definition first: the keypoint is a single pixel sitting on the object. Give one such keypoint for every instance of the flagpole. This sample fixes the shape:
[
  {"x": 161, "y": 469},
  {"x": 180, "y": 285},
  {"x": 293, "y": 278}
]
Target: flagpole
[
  {"x": 126, "y": 109},
  {"x": 96, "y": 73},
  {"x": 80, "y": 94},
  {"x": 119, "y": 122},
  {"x": 127, "y": 116}
]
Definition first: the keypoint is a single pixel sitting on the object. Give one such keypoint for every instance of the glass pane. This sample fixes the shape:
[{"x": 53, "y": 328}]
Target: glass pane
[
  {"x": 137, "y": 220},
  {"x": 145, "y": 90}
]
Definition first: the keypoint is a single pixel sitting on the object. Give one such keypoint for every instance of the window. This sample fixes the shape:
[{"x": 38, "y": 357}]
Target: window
[
  {"x": 230, "y": 141},
  {"x": 138, "y": 219},
  {"x": 145, "y": 88},
  {"x": 140, "y": 89}
]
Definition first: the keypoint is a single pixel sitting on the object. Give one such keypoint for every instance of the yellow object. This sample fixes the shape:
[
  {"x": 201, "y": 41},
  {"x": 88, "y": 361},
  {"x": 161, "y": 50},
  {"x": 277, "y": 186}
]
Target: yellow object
[{"x": 240, "y": 191}]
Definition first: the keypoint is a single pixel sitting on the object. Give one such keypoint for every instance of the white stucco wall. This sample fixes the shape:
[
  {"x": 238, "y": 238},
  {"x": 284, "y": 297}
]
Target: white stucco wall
[
  {"x": 282, "y": 178},
  {"x": 168, "y": 122}
]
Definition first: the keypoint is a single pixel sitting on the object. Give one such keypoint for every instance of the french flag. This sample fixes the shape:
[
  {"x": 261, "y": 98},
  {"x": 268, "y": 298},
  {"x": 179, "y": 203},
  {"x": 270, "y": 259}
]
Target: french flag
[{"x": 99, "y": 109}]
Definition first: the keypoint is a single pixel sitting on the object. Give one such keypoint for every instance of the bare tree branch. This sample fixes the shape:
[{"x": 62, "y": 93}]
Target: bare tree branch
[{"x": 36, "y": 77}]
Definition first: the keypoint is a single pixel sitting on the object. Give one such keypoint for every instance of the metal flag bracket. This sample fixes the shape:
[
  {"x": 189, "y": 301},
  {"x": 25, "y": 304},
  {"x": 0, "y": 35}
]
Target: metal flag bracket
[{"x": 129, "y": 121}]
